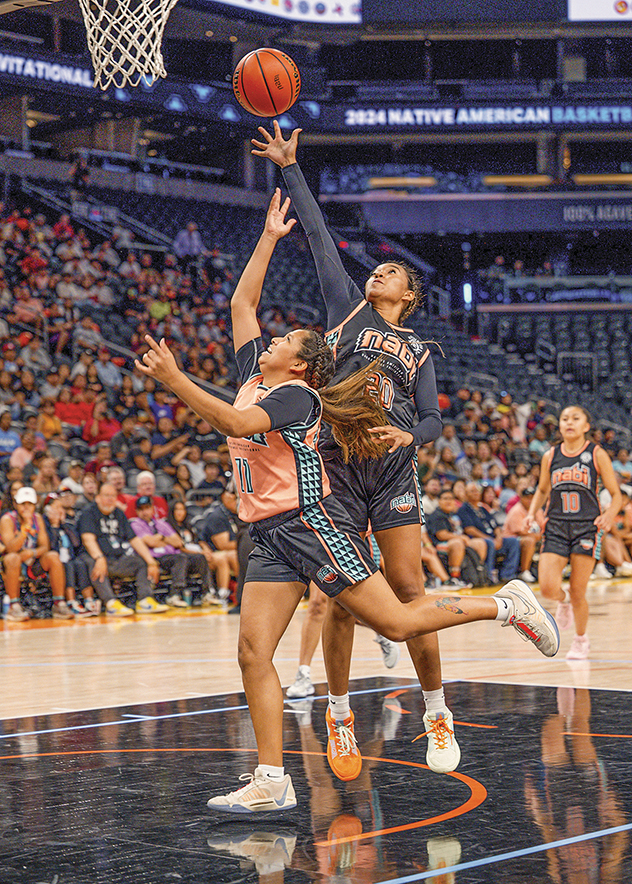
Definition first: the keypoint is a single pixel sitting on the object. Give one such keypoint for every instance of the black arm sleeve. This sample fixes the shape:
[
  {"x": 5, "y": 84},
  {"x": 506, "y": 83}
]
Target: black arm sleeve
[
  {"x": 247, "y": 358},
  {"x": 289, "y": 405},
  {"x": 427, "y": 404},
  {"x": 339, "y": 291}
]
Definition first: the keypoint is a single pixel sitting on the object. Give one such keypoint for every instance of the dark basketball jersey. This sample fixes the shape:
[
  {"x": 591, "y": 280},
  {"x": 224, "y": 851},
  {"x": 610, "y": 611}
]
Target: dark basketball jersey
[
  {"x": 574, "y": 484},
  {"x": 362, "y": 337}
]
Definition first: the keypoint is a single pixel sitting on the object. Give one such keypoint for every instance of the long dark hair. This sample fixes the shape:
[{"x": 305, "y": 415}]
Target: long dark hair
[
  {"x": 178, "y": 526},
  {"x": 352, "y": 406}
]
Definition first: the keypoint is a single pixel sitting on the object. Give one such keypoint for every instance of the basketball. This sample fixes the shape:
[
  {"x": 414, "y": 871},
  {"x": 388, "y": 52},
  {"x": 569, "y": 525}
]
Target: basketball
[{"x": 266, "y": 82}]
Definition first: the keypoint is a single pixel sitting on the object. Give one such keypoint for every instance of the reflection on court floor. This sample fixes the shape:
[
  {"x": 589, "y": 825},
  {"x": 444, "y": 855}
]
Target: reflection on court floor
[{"x": 543, "y": 793}]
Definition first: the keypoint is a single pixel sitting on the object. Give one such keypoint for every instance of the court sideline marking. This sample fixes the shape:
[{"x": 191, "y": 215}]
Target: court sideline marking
[{"x": 502, "y": 857}]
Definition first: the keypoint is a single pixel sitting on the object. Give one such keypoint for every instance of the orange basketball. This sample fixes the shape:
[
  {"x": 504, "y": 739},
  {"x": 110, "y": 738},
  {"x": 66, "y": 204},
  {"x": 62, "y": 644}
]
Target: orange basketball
[{"x": 266, "y": 82}]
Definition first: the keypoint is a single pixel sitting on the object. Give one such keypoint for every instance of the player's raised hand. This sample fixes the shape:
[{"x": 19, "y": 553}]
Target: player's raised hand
[
  {"x": 158, "y": 362},
  {"x": 276, "y": 223},
  {"x": 276, "y": 147}
]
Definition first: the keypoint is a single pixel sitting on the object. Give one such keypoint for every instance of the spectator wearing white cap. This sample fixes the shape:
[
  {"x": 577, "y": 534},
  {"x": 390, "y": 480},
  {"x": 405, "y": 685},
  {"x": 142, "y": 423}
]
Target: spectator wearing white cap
[{"x": 28, "y": 555}]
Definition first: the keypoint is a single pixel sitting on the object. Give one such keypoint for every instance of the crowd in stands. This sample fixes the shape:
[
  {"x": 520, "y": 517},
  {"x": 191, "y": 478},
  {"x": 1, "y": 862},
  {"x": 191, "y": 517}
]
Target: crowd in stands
[{"x": 107, "y": 478}]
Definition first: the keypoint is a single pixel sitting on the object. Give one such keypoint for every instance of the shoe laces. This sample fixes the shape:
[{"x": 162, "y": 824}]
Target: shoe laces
[
  {"x": 441, "y": 732},
  {"x": 249, "y": 780},
  {"x": 345, "y": 738}
]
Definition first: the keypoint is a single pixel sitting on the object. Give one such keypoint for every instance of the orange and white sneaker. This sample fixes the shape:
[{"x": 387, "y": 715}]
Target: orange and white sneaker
[
  {"x": 343, "y": 849},
  {"x": 343, "y": 754},
  {"x": 443, "y": 753},
  {"x": 259, "y": 794}
]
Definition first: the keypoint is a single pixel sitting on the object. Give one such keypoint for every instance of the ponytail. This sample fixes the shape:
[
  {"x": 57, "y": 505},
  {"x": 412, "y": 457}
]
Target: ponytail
[{"x": 351, "y": 407}]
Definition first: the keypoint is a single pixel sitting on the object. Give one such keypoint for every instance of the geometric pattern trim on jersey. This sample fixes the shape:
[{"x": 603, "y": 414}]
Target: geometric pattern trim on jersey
[
  {"x": 309, "y": 467},
  {"x": 342, "y": 550}
]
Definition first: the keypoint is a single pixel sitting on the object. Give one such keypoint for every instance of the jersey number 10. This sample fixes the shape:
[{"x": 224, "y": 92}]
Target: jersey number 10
[{"x": 571, "y": 502}]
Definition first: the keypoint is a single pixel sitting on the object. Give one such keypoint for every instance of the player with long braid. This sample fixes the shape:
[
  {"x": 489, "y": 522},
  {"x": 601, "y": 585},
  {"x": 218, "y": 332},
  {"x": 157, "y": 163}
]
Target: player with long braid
[
  {"x": 301, "y": 532},
  {"x": 364, "y": 327}
]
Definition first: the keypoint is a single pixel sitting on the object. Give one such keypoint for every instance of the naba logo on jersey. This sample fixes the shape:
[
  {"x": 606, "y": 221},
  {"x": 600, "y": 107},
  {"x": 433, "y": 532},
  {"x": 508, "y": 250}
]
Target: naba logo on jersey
[
  {"x": 327, "y": 574},
  {"x": 404, "y": 503},
  {"x": 585, "y": 457}
]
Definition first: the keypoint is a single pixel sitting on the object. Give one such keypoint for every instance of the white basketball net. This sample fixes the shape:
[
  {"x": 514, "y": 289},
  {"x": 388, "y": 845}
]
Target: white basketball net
[{"x": 124, "y": 39}]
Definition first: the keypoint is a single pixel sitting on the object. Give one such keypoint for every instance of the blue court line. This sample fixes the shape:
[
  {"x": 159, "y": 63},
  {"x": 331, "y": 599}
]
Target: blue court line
[
  {"x": 130, "y": 718},
  {"x": 501, "y": 857}
]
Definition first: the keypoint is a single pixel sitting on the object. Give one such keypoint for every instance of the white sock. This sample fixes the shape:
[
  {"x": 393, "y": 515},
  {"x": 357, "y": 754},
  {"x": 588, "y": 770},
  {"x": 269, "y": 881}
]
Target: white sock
[
  {"x": 272, "y": 773},
  {"x": 434, "y": 700},
  {"x": 505, "y": 608},
  {"x": 305, "y": 671},
  {"x": 223, "y": 592},
  {"x": 567, "y": 596},
  {"x": 339, "y": 706}
]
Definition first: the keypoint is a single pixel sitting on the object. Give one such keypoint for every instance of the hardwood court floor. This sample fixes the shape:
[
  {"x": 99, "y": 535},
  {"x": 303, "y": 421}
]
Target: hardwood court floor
[{"x": 114, "y": 734}]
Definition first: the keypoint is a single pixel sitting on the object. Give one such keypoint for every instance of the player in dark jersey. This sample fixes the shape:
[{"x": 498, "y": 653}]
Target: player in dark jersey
[
  {"x": 569, "y": 479},
  {"x": 363, "y": 327},
  {"x": 301, "y": 532}
]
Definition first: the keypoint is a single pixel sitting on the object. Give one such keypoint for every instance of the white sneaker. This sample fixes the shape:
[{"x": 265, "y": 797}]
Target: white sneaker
[
  {"x": 579, "y": 649},
  {"x": 209, "y": 599},
  {"x": 302, "y": 686},
  {"x": 16, "y": 613},
  {"x": 269, "y": 851},
  {"x": 443, "y": 853},
  {"x": 601, "y": 572},
  {"x": 92, "y": 606},
  {"x": 259, "y": 794},
  {"x": 624, "y": 570},
  {"x": 390, "y": 651},
  {"x": 175, "y": 601},
  {"x": 443, "y": 753},
  {"x": 527, "y": 576},
  {"x": 530, "y": 620}
]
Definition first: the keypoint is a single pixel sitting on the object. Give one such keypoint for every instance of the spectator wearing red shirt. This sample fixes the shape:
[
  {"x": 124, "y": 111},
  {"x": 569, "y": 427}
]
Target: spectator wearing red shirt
[
  {"x": 101, "y": 426},
  {"x": 146, "y": 486}
]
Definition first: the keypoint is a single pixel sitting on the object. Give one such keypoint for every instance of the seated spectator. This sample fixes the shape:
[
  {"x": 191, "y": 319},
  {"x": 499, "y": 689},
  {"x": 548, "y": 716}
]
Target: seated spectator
[
  {"x": 446, "y": 533},
  {"x": 73, "y": 411},
  {"x": 115, "y": 476},
  {"x": 74, "y": 477},
  {"x": 89, "y": 489},
  {"x": 108, "y": 373},
  {"x": 167, "y": 441},
  {"x": 220, "y": 533},
  {"x": 212, "y": 486},
  {"x": 431, "y": 561},
  {"x": 168, "y": 548},
  {"x": 478, "y": 523},
  {"x": 449, "y": 439},
  {"x": 9, "y": 439},
  {"x": 101, "y": 426},
  {"x": 514, "y": 527},
  {"x": 430, "y": 499},
  {"x": 101, "y": 462},
  {"x": 28, "y": 554},
  {"x": 49, "y": 424},
  {"x": 47, "y": 480},
  {"x": 194, "y": 463},
  {"x": 23, "y": 454},
  {"x": 182, "y": 483},
  {"x": 121, "y": 442},
  {"x": 139, "y": 454},
  {"x": 622, "y": 465},
  {"x": 445, "y": 469},
  {"x": 114, "y": 550},
  {"x": 65, "y": 541},
  {"x": 146, "y": 486},
  {"x": 616, "y": 542},
  {"x": 35, "y": 356},
  {"x": 539, "y": 444}
]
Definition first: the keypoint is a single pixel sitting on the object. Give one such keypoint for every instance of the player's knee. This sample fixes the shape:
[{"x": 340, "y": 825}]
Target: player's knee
[{"x": 11, "y": 561}]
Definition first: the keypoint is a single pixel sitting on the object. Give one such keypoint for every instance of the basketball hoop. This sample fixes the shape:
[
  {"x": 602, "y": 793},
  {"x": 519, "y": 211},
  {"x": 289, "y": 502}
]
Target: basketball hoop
[{"x": 125, "y": 38}]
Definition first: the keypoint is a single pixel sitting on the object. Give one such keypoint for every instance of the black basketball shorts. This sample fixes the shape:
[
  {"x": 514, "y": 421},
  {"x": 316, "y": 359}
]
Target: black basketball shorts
[
  {"x": 565, "y": 537},
  {"x": 319, "y": 543}
]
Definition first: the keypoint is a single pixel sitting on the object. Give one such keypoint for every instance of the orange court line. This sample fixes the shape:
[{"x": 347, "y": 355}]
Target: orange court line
[
  {"x": 477, "y": 790},
  {"x": 580, "y": 734},
  {"x": 471, "y": 724}
]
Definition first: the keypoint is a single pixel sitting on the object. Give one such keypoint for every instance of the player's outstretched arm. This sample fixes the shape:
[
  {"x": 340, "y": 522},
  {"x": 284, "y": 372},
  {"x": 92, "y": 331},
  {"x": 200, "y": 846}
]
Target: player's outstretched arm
[
  {"x": 247, "y": 294},
  {"x": 159, "y": 363}
]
